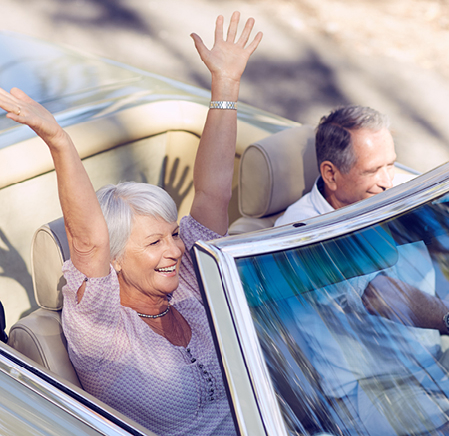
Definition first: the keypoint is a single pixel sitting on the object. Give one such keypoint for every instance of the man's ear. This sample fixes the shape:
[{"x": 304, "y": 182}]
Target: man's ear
[{"x": 328, "y": 172}]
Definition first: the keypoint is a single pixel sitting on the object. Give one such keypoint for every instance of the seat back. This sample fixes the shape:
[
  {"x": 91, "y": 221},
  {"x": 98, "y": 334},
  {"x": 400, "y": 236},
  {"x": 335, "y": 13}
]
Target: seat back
[
  {"x": 39, "y": 335},
  {"x": 274, "y": 173}
]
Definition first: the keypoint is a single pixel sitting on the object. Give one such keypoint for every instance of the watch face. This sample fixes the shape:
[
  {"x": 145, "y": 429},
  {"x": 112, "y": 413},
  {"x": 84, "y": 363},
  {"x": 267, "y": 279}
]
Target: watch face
[{"x": 446, "y": 320}]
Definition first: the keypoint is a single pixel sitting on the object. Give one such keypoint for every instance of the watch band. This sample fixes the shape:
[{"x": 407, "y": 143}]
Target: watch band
[{"x": 223, "y": 105}]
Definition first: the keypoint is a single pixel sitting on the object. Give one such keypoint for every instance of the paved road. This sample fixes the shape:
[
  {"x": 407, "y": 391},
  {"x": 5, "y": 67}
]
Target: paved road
[{"x": 294, "y": 74}]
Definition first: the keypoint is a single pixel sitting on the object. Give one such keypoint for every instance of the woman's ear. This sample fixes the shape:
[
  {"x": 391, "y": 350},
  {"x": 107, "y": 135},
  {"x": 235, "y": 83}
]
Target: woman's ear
[
  {"x": 116, "y": 265},
  {"x": 328, "y": 172}
]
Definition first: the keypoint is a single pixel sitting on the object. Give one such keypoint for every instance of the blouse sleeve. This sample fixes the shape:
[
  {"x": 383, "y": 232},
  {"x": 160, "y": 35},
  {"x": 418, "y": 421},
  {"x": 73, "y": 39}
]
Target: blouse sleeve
[
  {"x": 90, "y": 325},
  {"x": 191, "y": 231}
]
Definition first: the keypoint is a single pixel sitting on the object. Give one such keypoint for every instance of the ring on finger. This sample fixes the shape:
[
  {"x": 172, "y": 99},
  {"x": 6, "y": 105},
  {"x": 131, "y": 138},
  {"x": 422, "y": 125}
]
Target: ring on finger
[{"x": 19, "y": 110}]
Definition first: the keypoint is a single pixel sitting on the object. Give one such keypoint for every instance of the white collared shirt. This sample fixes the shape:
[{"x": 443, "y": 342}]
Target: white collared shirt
[
  {"x": 313, "y": 203},
  {"x": 307, "y": 206}
]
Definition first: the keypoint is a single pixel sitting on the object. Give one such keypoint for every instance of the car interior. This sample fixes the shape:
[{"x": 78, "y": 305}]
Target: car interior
[
  {"x": 39, "y": 335},
  {"x": 117, "y": 144},
  {"x": 273, "y": 172}
]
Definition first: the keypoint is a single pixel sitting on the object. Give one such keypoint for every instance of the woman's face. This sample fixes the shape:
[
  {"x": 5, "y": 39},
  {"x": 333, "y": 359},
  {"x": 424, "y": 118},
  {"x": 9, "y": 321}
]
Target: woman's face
[{"x": 150, "y": 264}]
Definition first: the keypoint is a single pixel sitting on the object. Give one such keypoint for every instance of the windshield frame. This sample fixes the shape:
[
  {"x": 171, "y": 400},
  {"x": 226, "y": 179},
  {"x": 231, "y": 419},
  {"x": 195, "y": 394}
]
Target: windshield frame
[
  {"x": 224, "y": 253},
  {"x": 348, "y": 219}
]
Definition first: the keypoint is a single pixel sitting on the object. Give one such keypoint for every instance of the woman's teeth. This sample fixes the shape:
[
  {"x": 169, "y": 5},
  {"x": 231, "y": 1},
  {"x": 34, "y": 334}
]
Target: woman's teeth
[{"x": 167, "y": 269}]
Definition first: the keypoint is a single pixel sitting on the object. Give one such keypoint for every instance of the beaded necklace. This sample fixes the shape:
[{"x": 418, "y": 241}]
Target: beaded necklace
[{"x": 155, "y": 316}]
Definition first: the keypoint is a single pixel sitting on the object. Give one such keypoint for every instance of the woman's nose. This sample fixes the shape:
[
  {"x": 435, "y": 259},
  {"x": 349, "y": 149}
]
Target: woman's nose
[{"x": 174, "y": 249}]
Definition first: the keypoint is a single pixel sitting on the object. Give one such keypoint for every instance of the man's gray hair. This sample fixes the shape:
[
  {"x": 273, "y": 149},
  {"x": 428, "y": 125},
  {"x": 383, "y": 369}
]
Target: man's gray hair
[
  {"x": 333, "y": 134},
  {"x": 121, "y": 203}
]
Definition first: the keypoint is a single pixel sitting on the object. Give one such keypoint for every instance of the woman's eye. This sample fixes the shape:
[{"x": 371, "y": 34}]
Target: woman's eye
[
  {"x": 154, "y": 243},
  {"x": 176, "y": 235}
]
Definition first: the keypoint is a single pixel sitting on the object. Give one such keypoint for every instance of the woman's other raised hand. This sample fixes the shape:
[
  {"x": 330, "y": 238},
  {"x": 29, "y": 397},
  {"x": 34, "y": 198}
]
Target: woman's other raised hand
[
  {"x": 228, "y": 57},
  {"x": 214, "y": 163}
]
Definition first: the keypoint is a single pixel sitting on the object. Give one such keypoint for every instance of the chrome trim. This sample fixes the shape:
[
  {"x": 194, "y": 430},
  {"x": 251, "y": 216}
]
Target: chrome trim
[
  {"x": 406, "y": 168},
  {"x": 220, "y": 331},
  {"x": 62, "y": 400},
  {"x": 348, "y": 219},
  {"x": 247, "y": 337}
]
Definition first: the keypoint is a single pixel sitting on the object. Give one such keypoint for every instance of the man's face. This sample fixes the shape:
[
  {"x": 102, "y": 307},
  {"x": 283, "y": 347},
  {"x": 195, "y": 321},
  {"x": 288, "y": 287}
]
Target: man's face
[{"x": 372, "y": 172}]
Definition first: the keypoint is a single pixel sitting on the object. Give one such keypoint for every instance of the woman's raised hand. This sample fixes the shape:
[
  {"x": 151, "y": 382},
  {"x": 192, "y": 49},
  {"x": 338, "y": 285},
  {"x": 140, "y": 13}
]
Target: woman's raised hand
[
  {"x": 227, "y": 59},
  {"x": 25, "y": 110},
  {"x": 86, "y": 232}
]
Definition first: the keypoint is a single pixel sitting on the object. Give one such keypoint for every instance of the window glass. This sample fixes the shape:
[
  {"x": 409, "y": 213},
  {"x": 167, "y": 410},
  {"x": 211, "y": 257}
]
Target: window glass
[{"x": 351, "y": 328}]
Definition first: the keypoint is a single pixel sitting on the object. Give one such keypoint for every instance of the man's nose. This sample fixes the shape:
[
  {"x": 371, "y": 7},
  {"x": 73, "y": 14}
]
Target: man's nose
[{"x": 386, "y": 176}]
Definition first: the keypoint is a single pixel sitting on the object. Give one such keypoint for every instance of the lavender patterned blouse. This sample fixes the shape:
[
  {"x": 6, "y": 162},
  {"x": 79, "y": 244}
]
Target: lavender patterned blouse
[{"x": 168, "y": 389}]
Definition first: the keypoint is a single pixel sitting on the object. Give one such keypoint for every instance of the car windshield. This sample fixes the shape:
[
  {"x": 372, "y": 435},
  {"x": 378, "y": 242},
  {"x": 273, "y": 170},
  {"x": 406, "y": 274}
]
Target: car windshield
[{"x": 349, "y": 327}]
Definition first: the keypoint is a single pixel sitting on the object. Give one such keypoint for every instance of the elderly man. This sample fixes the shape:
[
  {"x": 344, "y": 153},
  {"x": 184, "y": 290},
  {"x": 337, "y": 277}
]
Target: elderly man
[
  {"x": 355, "y": 154},
  {"x": 383, "y": 371}
]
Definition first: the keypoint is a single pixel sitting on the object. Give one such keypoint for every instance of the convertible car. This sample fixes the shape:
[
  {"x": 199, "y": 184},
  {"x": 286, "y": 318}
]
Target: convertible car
[{"x": 315, "y": 323}]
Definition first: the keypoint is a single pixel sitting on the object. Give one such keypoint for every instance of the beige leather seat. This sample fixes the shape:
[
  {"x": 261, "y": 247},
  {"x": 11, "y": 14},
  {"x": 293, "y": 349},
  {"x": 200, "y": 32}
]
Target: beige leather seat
[
  {"x": 274, "y": 173},
  {"x": 39, "y": 335}
]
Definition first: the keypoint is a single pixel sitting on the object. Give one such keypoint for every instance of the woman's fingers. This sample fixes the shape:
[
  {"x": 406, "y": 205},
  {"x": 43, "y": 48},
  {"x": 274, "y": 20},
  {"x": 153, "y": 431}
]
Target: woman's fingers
[
  {"x": 9, "y": 103},
  {"x": 23, "y": 109},
  {"x": 228, "y": 58},
  {"x": 255, "y": 43},
  {"x": 233, "y": 26},
  {"x": 246, "y": 32},
  {"x": 14, "y": 104},
  {"x": 244, "y": 37},
  {"x": 219, "y": 29},
  {"x": 19, "y": 94},
  {"x": 19, "y": 106},
  {"x": 199, "y": 45}
]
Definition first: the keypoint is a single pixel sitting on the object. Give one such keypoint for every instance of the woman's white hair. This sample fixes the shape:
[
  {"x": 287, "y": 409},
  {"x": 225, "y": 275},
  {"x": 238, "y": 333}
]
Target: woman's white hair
[{"x": 122, "y": 202}]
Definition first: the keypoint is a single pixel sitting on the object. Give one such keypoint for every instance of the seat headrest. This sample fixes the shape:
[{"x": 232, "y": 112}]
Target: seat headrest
[
  {"x": 49, "y": 250},
  {"x": 276, "y": 171}
]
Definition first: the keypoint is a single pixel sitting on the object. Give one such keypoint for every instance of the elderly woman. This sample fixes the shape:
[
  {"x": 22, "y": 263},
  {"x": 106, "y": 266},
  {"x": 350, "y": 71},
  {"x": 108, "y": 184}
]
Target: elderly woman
[{"x": 135, "y": 324}]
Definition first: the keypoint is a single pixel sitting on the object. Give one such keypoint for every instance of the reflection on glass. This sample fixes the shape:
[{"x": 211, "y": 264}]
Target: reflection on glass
[
  {"x": 351, "y": 328},
  {"x": 59, "y": 79}
]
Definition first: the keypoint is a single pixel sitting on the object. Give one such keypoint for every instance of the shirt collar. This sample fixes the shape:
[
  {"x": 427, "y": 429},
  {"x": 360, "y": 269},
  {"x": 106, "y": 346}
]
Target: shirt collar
[{"x": 317, "y": 198}]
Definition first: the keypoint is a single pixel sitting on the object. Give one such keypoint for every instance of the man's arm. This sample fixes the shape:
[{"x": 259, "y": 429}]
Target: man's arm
[{"x": 398, "y": 301}]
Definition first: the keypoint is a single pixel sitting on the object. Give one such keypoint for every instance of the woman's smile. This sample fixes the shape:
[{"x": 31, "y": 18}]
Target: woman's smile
[
  {"x": 150, "y": 264},
  {"x": 168, "y": 269}
]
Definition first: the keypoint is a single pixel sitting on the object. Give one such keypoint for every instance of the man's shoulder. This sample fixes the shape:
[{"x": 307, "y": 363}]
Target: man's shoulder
[
  {"x": 300, "y": 210},
  {"x": 308, "y": 206}
]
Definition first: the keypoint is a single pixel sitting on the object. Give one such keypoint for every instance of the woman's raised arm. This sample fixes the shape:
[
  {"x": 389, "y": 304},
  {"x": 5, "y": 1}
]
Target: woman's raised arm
[
  {"x": 214, "y": 164},
  {"x": 86, "y": 228}
]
